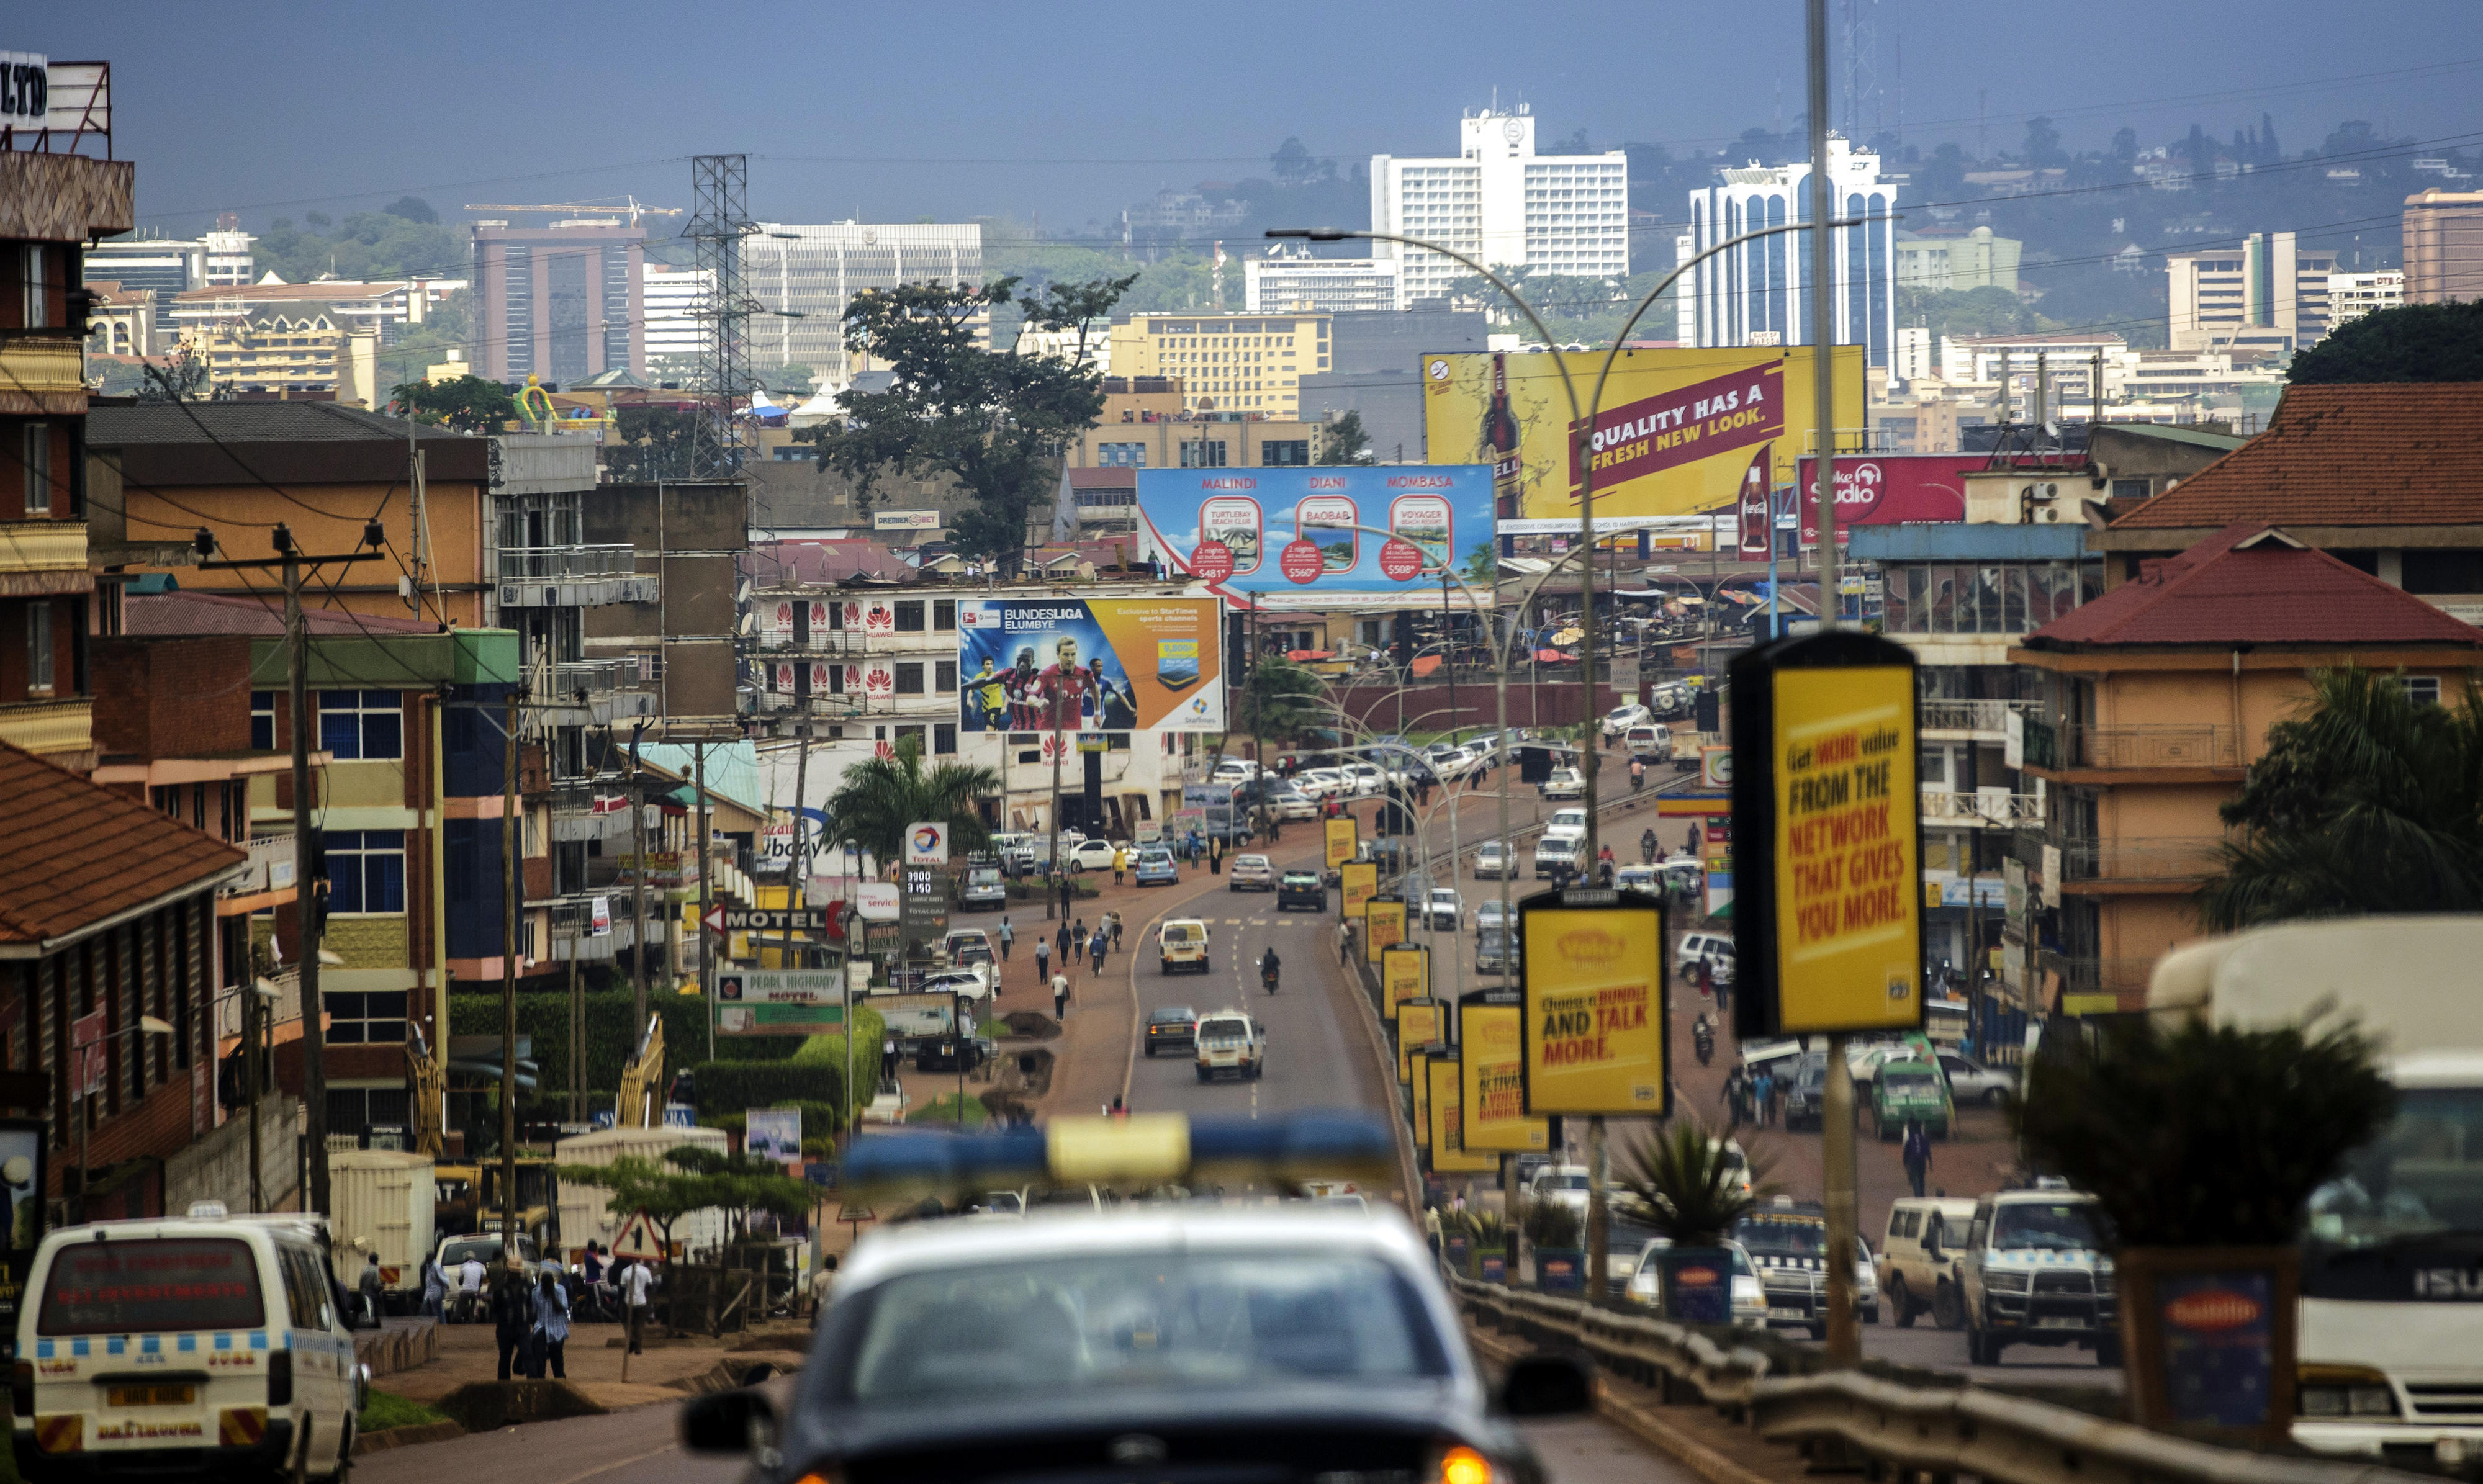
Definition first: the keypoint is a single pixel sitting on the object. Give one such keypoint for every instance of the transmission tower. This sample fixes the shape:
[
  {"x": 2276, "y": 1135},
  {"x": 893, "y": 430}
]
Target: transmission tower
[
  {"x": 1863, "y": 105},
  {"x": 718, "y": 222}
]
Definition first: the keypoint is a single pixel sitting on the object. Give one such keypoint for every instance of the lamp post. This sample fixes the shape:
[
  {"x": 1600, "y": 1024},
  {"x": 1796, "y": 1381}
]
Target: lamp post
[{"x": 90, "y": 1076}]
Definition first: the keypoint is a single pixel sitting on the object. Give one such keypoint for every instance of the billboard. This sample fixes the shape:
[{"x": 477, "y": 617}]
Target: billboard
[
  {"x": 1449, "y": 1153},
  {"x": 1418, "y": 1024},
  {"x": 1285, "y": 538},
  {"x": 905, "y": 520},
  {"x": 1405, "y": 973},
  {"x": 1676, "y": 430},
  {"x": 1887, "y": 488},
  {"x": 1493, "y": 1076},
  {"x": 779, "y": 1002},
  {"x": 774, "y": 1135},
  {"x": 1124, "y": 664},
  {"x": 1592, "y": 980}
]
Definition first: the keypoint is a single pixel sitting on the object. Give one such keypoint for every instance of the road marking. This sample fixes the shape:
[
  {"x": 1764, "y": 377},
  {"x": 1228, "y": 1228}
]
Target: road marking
[{"x": 669, "y": 1448}]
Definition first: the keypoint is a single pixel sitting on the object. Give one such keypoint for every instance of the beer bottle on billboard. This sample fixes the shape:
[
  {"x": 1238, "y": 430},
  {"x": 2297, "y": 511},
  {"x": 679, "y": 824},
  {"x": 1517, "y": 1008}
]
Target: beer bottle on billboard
[{"x": 1499, "y": 438}]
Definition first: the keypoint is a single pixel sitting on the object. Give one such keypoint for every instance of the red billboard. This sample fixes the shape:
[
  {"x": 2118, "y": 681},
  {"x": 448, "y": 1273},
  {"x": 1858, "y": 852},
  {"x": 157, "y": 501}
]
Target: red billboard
[{"x": 1886, "y": 488}]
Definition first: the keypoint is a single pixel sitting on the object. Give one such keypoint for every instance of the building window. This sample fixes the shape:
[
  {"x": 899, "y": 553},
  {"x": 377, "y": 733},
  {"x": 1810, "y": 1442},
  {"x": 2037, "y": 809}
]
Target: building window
[
  {"x": 39, "y": 646},
  {"x": 39, "y": 468},
  {"x": 944, "y": 677},
  {"x": 915, "y": 733},
  {"x": 351, "y": 1108},
  {"x": 909, "y": 618},
  {"x": 2423, "y": 690},
  {"x": 361, "y": 1018},
  {"x": 2132, "y": 488},
  {"x": 35, "y": 317},
  {"x": 1285, "y": 453},
  {"x": 262, "y": 721},
  {"x": 1121, "y": 455},
  {"x": 1205, "y": 454},
  {"x": 943, "y": 738},
  {"x": 365, "y": 870},
  {"x": 908, "y": 678},
  {"x": 361, "y": 725},
  {"x": 944, "y": 614}
]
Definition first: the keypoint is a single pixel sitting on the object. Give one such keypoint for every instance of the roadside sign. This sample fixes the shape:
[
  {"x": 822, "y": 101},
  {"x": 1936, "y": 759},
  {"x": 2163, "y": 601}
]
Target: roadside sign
[
  {"x": 637, "y": 1239},
  {"x": 1591, "y": 972},
  {"x": 1341, "y": 841},
  {"x": 767, "y": 919},
  {"x": 1405, "y": 973},
  {"x": 1491, "y": 1077},
  {"x": 1829, "y": 853},
  {"x": 1382, "y": 923},
  {"x": 1418, "y": 1024},
  {"x": 1449, "y": 1152},
  {"x": 926, "y": 842},
  {"x": 1359, "y": 881},
  {"x": 1716, "y": 767}
]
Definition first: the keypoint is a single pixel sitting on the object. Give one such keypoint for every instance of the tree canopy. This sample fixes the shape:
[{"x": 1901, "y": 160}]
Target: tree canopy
[
  {"x": 2416, "y": 342},
  {"x": 655, "y": 444},
  {"x": 691, "y": 1177},
  {"x": 1280, "y": 699},
  {"x": 468, "y": 404},
  {"x": 881, "y": 798},
  {"x": 1345, "y": 441}
]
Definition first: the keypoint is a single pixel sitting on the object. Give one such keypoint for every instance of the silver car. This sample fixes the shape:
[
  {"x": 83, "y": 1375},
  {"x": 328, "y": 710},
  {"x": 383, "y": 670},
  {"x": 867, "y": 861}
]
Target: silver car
[{"x": 1250, "y": 873}]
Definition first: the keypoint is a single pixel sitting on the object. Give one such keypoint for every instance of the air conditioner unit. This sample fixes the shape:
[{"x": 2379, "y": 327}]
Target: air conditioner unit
[
  {"x": 2050, "y": 515},
  {"x": 2044, "y": 492}
]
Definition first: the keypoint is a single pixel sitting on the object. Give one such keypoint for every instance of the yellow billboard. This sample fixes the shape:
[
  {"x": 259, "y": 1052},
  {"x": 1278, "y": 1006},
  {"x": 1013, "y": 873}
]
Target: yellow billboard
[
  {"x": 1449, "y": 1153},
  {"x": 1359, "y": 881},
  {"x": 1405, "y": 973},
  {"x": 1592, "y": 978},
  {"x": 1418, "y": 1076},
  {"x": 1418, "y": 1024},
  {"x": 1491, "y": 1059},
  {"x": 1676, "y": 431},
  {"x": 1341, "y": 841},
  {"x": 1848, "y": 921},
  {"x": 1382, "y": 923}
]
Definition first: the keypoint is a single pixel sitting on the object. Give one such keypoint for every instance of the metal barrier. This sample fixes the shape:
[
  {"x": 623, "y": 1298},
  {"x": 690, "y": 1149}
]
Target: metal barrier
[{"x": 1936, "y": 1425}]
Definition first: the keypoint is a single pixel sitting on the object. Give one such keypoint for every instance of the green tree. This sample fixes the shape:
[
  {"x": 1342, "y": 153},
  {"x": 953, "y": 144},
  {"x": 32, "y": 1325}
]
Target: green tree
[
  {"x": 468, "y": 404},
  {"x": 1344, "y": 442},
  {"x": 995, "y": 422},
  {"x": 699, "y": 1179},
  {"x": 879, "y": 799},
  {"x": 2365, "y": 802},
  {"x": 655, "y": 443},
  {"x": 1279, "y": 699},
  {"x": 2416, "y": 342},
  {"x": 1973, "y": 311},
  {"x": 2043, "y": 143}
]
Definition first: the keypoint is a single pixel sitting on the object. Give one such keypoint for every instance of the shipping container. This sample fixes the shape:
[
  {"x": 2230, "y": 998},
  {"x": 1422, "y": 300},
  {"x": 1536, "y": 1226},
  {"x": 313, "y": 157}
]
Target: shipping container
[
  {"x": 583, "y": 1216},
  {"x": 382, "y": 1201}
]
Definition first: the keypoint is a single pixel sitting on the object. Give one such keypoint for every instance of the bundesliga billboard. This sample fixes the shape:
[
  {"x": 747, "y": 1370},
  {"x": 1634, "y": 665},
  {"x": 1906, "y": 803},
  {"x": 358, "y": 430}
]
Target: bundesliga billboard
[
  {"x": 1319, "y": 537},
  {"x": 1677, "y": 430},
  {"x": 1124, "y": 664}
]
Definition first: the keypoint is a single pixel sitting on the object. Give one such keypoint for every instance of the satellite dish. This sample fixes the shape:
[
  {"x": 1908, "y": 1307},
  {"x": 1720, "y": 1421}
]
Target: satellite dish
[
  {"x": 749, "y": 624},
  {"x": 2052, "y": 431}
]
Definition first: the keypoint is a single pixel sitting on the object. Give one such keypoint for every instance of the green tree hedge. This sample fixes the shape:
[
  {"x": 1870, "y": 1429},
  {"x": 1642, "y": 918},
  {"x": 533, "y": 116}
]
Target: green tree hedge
[{"x": 611, "y": 1037}]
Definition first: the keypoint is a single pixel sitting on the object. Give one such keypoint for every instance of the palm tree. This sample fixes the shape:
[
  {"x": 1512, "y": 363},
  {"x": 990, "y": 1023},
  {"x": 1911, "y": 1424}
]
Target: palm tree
[
  {"x": 881, "y": 798},
  {"x": 1280, "y": 699},
  {"x": 2368, "y": 801},
  {"x": 1688, "y": 1185}
]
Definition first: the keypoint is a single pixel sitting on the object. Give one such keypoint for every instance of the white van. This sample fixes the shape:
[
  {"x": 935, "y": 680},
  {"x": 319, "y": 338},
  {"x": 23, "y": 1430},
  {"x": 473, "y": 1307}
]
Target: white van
[
  {"x": 1917, "y": 1226},
  {"x": 207, "y": 1343}
]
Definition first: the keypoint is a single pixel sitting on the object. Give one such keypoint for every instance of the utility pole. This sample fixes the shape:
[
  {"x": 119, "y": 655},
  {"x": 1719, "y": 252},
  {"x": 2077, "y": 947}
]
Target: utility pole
[
  {"x": 308, "y": 899},
  {"x": 638, "y": 892},
  {"x": 797, "y": 874},
  {"x": 511, "y": 838},
  {"x": 707, "y": 904}
]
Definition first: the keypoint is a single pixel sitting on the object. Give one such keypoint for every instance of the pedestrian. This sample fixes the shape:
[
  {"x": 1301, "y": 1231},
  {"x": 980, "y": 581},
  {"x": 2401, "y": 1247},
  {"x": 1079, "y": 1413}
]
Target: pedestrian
[
  {"x": 1066, "y": 940},
  {"x": 1432, "y": 1230},
  {"x": 1095, "y": 948},
  {"x": 1762, "y": 1089},
  {"x": 1216, "y": 858},
  {"x": 1343, "y": 941},
  {"x": 1114, "y": 918},
  {"x": 512, "y": 1320},
  {"x": 635, "y": 1285},
  {"x": 471, "y": 1276},
  {"x": 372, "y": 1287},
  {"x": 1120, "y": 863},
  {"x": 551, "y": 1325},
  {"x": 435, "y": 1287},
  {"x": 1917, "y": 1155},
  {"x": 1042, "y": 960},
  {"x": 1008, "y": 936},
  {"x": 1119, "y": 1109},
  {"x": 1732, "y": 1099},
  {"x": 823, "y": 1282},
  {"x": 1065, "y": 893},
  {"x": 1694, "y": 839},
  {"x": 1059, "y": 997}
]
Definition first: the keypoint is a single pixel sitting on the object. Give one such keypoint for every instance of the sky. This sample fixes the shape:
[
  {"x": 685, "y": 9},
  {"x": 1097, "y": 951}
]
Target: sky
[{"x": 1065, "y": 111}]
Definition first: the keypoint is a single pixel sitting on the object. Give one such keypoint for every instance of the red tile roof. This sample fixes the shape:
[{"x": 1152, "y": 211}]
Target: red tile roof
[
  {"x": 2252, "y": 584},
  {"x": 2406, "y": 453},
  {"x": 79, "y": 853},
  {"x": 211, "y": 613}
]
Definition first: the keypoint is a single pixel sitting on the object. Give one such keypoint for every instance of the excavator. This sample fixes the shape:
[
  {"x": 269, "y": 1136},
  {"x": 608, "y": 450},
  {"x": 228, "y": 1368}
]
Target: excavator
[{"x": 641, "y": 1104}]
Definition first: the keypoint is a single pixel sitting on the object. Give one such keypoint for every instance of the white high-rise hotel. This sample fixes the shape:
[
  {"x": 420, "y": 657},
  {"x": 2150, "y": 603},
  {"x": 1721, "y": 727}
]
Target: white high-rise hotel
[
  {"x": 1501, "y": 203},
  {"x": 1752, "y": 294}
]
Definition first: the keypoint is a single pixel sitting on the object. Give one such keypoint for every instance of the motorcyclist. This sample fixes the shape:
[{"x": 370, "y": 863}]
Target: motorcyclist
[
  {"x": 1637, "y": 775},
  {"x": 1702, "y": 1036},
  {"x": 1647, "y": 846},
  {"x": 1268, "y": 965}
]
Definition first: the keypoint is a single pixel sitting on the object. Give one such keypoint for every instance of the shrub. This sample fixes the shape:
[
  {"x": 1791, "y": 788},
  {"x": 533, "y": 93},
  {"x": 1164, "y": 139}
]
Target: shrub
[
  {"x": 1551, "y": 1224},
  {"x": 1691, "y": 1194}
]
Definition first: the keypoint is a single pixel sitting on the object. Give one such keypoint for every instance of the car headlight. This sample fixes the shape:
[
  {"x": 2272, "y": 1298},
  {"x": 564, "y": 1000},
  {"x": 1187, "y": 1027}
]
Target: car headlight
[
  {"x": 2004, "y": 1280},
  {"x": 2331, "y": 1391}
]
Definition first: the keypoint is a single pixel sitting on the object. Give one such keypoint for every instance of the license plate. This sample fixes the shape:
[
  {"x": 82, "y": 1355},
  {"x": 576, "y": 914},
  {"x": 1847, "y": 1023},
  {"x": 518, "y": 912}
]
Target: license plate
[
  {"x": 2059, "y": 1322},
  {"x": 1785, "y": 1309},
  {"x": 151, "y": 1395}
]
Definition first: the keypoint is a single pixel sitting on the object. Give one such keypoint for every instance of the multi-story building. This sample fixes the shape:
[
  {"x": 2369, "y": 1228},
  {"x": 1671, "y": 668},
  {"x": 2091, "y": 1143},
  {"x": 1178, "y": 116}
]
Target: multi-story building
[
  {"x": 2353, "y": 295},
  {"x": 168, "y": 266},
  {"x": 1175, "y": 217},
  {"x": 291, "y": 353},
  {"x": 2056, "y": 370},
  {"x": 1199, "y": 441},
  {"x": 1289, "y": 277},
  {"x": 1376, "y": 372},
  {"x": 1225, "y": 363},
  {"x": 382, "y": 308},
  {"x": 1756, "y": 294},
  {"x": 677, "y": 338},
  {"x": 2266, "y": 295},
  {"x": 1947, "y": 261},
  {"x": 807, "y": 275},
  {"x": 51, "y": 206},
  {"x": 2155, "y": 699},
  {"x": 1499, "y": 202},
  {"x": 120, "y": 320},
  {"x": 559, "y": 303},
  {"x": 2443, "y": 247},
  {"x": 683, "y": 540}
]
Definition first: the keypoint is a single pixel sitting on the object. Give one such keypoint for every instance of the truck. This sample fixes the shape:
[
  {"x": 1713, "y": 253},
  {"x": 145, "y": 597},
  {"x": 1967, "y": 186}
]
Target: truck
[
  {"x": 584, "y": 1209},
  {"x": 381, "y": 1204},
  {"x": 2391, "y": 1327}
]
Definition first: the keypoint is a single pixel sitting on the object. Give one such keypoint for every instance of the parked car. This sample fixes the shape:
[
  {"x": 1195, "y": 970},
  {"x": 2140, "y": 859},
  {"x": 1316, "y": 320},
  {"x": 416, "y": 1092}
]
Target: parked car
[
  {"x": 1489, "y": 864},
  {"x": 1362, "y": 779},
  {"x": 1157, "y": 868},
  {"x": 1087, "y": 855},
  {"x": 1971, "y": 1081},
  {"x": 1695, "y": 946},
  {"x": 1319, "y": 782},
  {"x": 1235, "y": 770},
  {"x": 1302, "y": 888},
  {"x": 1563, "y": 784},
  {"x": 1621, "y": 718},
  {"x": 1250, "y": 873},
  {"x": 1909, "y": 1275},
  {"x": 1171, "y": 1027},
  {"x": 1445, "y": 910},
  {"x": 1291, "y": 803}
]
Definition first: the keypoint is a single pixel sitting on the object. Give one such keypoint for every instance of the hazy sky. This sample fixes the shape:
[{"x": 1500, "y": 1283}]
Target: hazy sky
[{"x": 1067, "y": 111}]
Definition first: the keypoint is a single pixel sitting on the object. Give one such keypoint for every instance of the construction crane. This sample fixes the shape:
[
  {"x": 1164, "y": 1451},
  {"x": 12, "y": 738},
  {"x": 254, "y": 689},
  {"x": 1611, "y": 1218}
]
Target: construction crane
[
  {"x": 641, "y": 1103},
  {"x": 584, "y": 208},
  {"x": 429, "y": 1078}
]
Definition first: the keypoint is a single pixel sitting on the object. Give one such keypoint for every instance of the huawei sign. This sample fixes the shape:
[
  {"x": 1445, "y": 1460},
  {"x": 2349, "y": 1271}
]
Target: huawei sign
[
  {"x": 1586, "y": 945},
  {"x": 2216, "y": 1309}
]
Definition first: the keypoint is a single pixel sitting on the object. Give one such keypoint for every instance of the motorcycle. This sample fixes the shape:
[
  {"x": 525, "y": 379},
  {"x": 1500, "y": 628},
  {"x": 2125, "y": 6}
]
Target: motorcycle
[
  {"x": 1647, "y": 848},
  {"x": 1268, "y": 978},
  {"x": 1703, "y": 1041}
]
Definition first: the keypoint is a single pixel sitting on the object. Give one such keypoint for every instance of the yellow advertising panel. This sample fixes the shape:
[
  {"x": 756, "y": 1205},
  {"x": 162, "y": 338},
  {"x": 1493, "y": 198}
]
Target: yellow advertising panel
[
  {"x": 1449, "y": 1153},
  {"x": 1593, "y": 983},
  {"x": 1676, "y": 431},
  {"x": 1405, "y": 973},
  {"x": 1418, "y": 1075},
  {"x": 1848, "y": 916},
  {"x": 1417, "y": 1025},
  {"x": 1491, "y": 1082},
  {"x": 1359, "y": 881},
  {"x": 1341, "y": 841},
  {"x": 1382, "y": 923}
]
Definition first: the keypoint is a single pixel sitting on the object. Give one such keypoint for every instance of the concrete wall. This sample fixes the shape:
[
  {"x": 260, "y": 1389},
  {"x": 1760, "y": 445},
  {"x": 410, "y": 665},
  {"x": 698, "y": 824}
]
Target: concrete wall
[{"x": 217, "y": 1167}]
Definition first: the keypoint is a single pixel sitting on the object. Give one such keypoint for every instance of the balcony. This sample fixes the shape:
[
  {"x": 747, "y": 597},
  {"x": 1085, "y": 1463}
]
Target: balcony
[
  {"x": 2147, "y": 863},
  {"x": 597, "y": 692},
  {"x": 270, "y": 865},
  {"x": 584, "y": 809},
  {"x": 844, "y": 643},
  {"x": 2201, "y": 752},
  {"x": 573, "y": 576},
  {"x": 43, "y": 547},
  {"x": 572, "y": 927},
  {"x": 1983, "y": 808},
  {"x": 1962, "y": 721},
  {"x": 49, "y": 728},
  {"x": 43, "y": 372}
]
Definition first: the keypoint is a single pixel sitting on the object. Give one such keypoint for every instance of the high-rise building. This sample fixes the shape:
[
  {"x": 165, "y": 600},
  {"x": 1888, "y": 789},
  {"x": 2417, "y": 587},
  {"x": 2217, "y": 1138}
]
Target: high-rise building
[
  {"x": 2443, "y": 247},
  {"x": 810, "y": 274},
  {"x": 165, "y": 266},
  {"x": 676, "y": 335},
  {"x": 1754, "y": 293},
  {"x": 1226, "y": 362},
  {"x": 2353, "y": 295},
  {"x": 2265, "y": 295},
  {"x": 1501, "y": 203},
  {"x": 561, "y": 303},
  {"x": 1290, "y": 278}
]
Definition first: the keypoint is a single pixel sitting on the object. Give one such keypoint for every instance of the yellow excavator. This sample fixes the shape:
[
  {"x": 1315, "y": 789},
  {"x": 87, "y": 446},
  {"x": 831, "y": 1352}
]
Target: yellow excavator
[
  {"x": 428, "y": 1077},
  {"x": 641, "y": 1104}
]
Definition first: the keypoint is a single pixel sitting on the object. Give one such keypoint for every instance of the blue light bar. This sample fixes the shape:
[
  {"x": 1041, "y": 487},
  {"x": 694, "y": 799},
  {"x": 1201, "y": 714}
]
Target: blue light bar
[{"x": 1133, "y": 1153}]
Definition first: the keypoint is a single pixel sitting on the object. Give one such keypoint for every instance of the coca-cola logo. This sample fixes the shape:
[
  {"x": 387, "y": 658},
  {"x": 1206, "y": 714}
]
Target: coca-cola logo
[{"x": 2214, "y": 1308}]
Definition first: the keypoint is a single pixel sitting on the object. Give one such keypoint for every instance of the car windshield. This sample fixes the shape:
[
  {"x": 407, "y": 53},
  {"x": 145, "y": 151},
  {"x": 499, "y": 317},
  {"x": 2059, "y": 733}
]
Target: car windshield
[
  {"x": 1170, "y": 1015},
  {"x": 1223, "y": 1030},
  {"x": 2424, "y": 1175},
  {"x": 1911, "y": 1083},
  {"x": 1783, "y": 1236},
  {"x": 1562, "y": 1182},
  {"x": 1109, "y": 1324},
  {"x": 2045, "y": 1226}
]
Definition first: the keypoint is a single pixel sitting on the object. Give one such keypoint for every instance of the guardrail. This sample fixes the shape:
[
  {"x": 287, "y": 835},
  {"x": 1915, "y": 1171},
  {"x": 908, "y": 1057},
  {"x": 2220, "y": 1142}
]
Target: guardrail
[{"x": 1938, "y": 1425}]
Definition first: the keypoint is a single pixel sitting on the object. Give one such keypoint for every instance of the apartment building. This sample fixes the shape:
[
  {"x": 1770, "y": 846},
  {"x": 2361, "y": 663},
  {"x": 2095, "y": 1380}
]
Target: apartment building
[
  {"x": 120, "y": 320},
  {"x": 166, "y": 267},
  {"x": 1755, "y": 293},
  {"x": 309, "y": 355},
  {"x": 805, "y": 276},
  {"x": 2267, "y": 295},
  {"x": 1290, "y": 279},
  {"x": 1500, "y": 203},
  {"x": 380, "y": 308},
  {"x": 677, "y": 338},
  {"x": 2443, "y": 247},
  {"x": 1950, "y": 261},
  {"x": 1225, "y": 363},
  {"x": 2353, "y": 295},
  {"x": 559, "y": 303}
]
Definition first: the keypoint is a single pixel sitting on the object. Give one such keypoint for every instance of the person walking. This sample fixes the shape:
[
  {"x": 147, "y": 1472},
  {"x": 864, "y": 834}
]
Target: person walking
[
  {"x": 1215, "y": 858},
  {"x": 551, "y": 1325},
  {"x": 1917, "y": 1155},
  {"x": 512, "y": 1320},
  {"x": 1095, "y": 948},
  {"x": 1042, "y": 960},
  {"x": 1008, "y": 936},
  {"x": 1120, "y": 863},
  {"x": 1763, "y": 1088},
  {"x": 1694, "y": 839},
  {"x": 1066, "y": 940},
  {"x": 635, "y": 1284},
  {"x": 435, "y": 1288},
  {"x": 1059, "y": 997},
  {"x": 1114, "y": 920},
  {"x": 1732, "y": 1099}
]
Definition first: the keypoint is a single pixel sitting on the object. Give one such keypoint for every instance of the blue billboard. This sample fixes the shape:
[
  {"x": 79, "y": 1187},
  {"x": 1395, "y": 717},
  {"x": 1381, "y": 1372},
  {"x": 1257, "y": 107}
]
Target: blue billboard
[{"x": 1288, "y": 538}]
